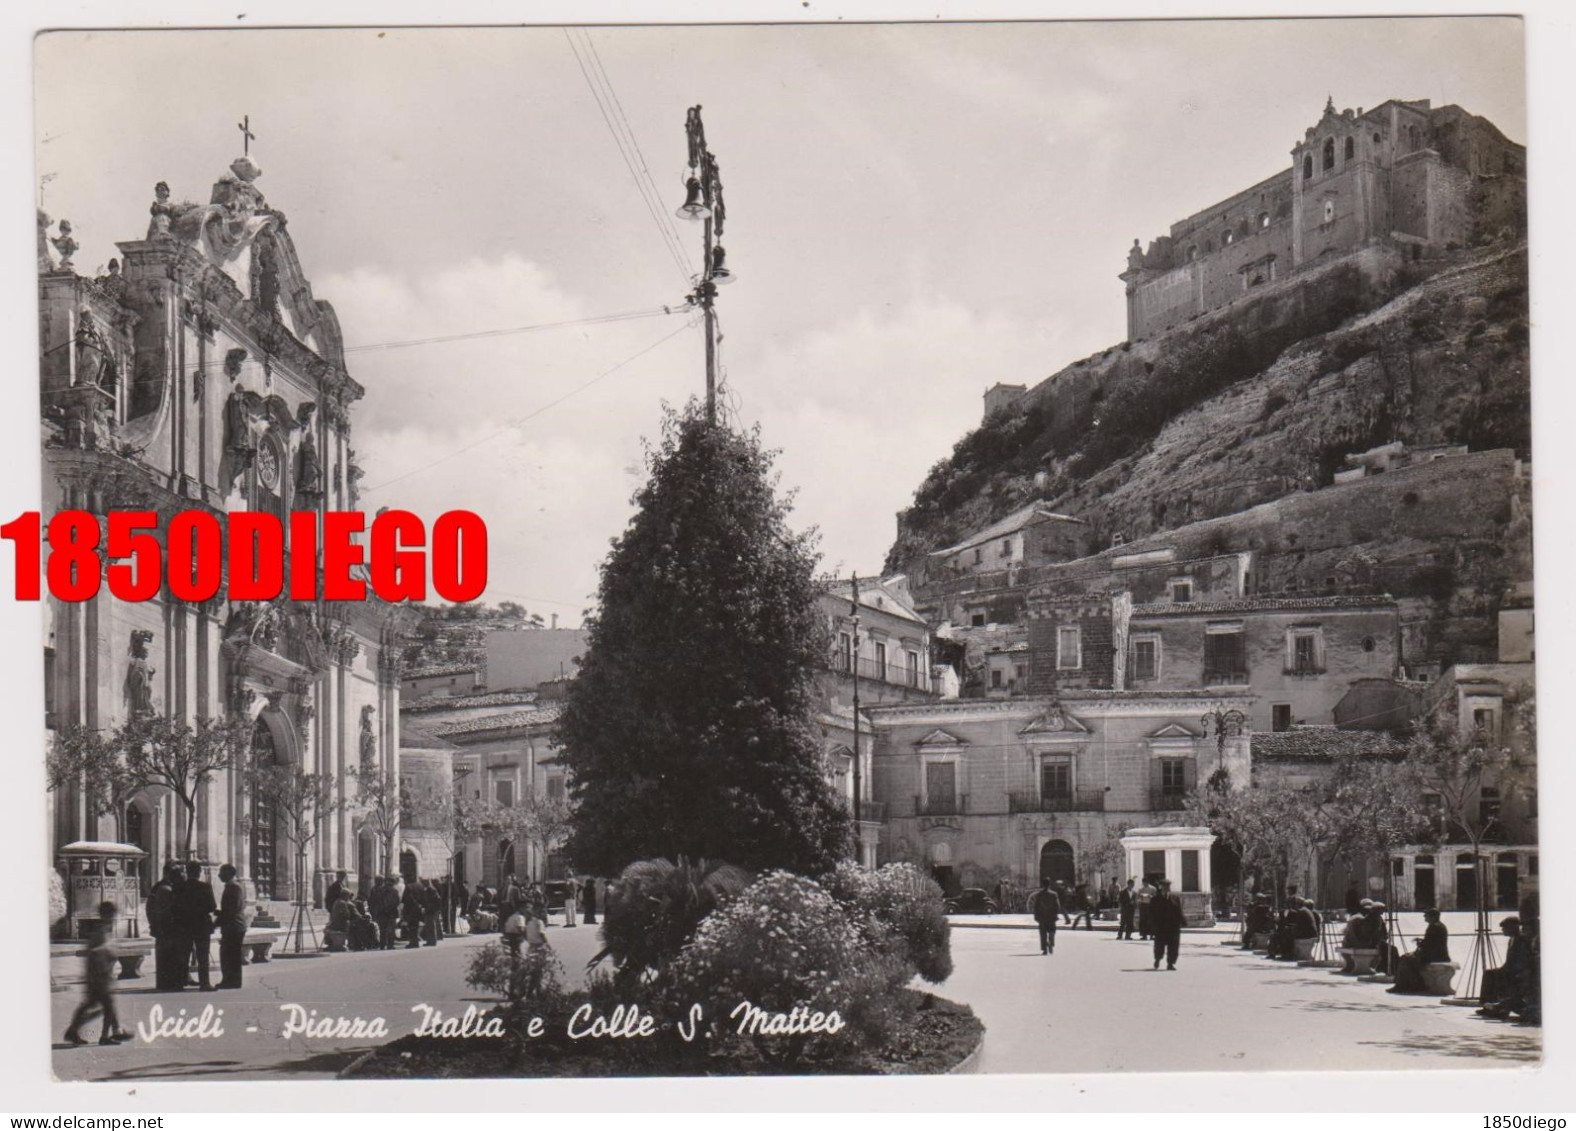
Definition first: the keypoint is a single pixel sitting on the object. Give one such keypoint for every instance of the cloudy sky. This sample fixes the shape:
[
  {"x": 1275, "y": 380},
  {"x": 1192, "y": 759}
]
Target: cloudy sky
[{"x": 915, "y": 213}]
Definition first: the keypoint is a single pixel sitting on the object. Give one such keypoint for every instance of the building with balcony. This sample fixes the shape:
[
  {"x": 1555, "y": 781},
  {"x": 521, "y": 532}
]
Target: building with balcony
[{"x": 977, "y": 791}]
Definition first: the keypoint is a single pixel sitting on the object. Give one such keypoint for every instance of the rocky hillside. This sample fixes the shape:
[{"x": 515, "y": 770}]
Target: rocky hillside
[{"x": 1253, "y": 403}]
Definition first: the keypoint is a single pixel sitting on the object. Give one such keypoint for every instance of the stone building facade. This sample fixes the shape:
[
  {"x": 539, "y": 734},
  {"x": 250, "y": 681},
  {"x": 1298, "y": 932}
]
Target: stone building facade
[
  {"x": 1402, "y": 173},
  {"x": 978, "y": 791},
  {"x": 200, "y": 373}
]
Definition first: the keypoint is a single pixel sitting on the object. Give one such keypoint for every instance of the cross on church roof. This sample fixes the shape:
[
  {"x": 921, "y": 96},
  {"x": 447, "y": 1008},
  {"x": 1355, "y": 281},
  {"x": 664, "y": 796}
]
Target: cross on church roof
[{"x": 245, "y": 126}]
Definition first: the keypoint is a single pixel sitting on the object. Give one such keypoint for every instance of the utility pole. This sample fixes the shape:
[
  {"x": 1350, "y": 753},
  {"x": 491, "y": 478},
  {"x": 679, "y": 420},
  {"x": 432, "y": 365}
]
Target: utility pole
[
  {"x": 703, "y": 201},
  {"x": 853, "y": 664}
]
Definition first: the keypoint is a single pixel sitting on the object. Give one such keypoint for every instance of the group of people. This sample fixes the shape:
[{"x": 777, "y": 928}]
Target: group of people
[
  {"x": 182, "y": 917},
  {"x": 1514, "y": 990},
  {"x": 1158, "y": 911},
  {"x": 429, "y": 909}
]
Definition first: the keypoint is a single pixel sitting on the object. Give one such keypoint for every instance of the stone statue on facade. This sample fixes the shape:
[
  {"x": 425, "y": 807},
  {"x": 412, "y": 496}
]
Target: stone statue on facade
[
  {"x": 46, "y": 262},
  {"x": 65, "y": 245},
  {"x": 162, "y": 211},
  {"x": 1135, "y": 256},
  {"x": 139, "y": 675},
  {"x": 369, "y": 741},
  {"x": 95, "y": 366}
]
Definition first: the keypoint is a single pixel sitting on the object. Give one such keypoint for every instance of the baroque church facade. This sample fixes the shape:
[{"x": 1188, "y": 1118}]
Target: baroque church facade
[{"x": 200, "y": 373}]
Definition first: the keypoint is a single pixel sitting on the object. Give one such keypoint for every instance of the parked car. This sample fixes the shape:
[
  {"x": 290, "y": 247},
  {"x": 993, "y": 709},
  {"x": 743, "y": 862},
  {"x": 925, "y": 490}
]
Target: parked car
[{"x": 971, "y": 901}]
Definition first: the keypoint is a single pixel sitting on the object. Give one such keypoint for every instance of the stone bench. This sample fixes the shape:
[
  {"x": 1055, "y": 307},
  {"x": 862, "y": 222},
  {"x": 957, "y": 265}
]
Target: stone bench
[
  {"x": 1438, "y": 976},
  {"x": 259, "y": 944},
  {"x": 1302, "y": 949},
  {"x": 1358, "y": 961},
  {"x": 130, "y": 953},
  {"x": 1259, "y": 940},
  {"x": 336, "y": 941}
]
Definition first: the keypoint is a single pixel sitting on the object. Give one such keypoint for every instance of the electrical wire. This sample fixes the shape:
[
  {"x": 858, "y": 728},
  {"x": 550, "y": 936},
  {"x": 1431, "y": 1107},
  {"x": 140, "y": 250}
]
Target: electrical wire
[
  {"x": 531, "y": 415},
  {"x": 653, "y": 206},
  {"x": 597, "y": 320}
]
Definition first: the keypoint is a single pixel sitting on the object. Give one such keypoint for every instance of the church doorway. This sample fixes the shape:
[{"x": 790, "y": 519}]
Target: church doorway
[
  {"x": 1056, "y": 863},
  {"x": 408, "y": 868},
  {"x": 265, "y": 840}
]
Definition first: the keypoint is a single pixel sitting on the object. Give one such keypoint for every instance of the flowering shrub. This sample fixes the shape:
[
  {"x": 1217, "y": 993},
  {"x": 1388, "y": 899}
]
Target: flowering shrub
[
  {"x": 781, "y": 946},
  {"x": 900, "y": 913},
  {"x": 654, "y": 906},
  {"x": 530, "y": 979}
]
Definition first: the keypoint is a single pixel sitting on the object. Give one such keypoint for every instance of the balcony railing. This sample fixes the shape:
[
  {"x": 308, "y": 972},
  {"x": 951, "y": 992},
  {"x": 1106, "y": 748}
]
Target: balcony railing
[
  {"x": 1225, "y": 676},
  {"x": 893, "y": 672},
  {"x": 952, "y": 806},
  {"x": 1167, "y": 800},
  {"x": 1072, "y": 801}
]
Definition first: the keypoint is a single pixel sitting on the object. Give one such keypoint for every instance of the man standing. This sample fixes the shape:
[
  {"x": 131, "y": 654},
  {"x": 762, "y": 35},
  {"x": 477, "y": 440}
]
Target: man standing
[
  {"x": 1165, "y": 923},
  {"x": 571, "y": 890},
  {"x": 410, "y": 907},
  {"x": 431, "y": 913},
  {"x": 195, "y": 909},
  {"x": 169, "y": 967},
  {"x": 1126, "y": 904},
  {"x": 1083, "y": 908},
  {"x": 232, "y": 929},
  {"x": 335, "y": 890},
  {"x": 589, "y": 894},
  {"x": 1146, "y": 895},
  {"x": 384, "y": 905},
  {"x": 1047, "y": 908}
]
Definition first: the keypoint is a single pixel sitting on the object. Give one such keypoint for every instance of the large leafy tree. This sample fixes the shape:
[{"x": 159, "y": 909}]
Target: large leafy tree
[{"x": 687, "y": 731}]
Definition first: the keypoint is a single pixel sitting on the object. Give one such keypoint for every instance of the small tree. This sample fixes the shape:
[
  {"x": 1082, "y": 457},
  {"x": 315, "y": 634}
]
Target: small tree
[
  {"x": 380, "y": 799},
  {"x": 95, "y": 762},
  {"x": 159, "y": 752},
  {"x": 301, "y": 801},
  {"x": 1257, "y": 822},
  {"x": 546, "y": 823}
]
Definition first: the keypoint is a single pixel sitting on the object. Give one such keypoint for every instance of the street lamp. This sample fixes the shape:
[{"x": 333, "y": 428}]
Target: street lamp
[{"x": 703, "y": 201}]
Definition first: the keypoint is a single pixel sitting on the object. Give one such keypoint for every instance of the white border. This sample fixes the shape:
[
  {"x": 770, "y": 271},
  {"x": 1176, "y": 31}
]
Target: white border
[{"x": 25, "y": 1085}]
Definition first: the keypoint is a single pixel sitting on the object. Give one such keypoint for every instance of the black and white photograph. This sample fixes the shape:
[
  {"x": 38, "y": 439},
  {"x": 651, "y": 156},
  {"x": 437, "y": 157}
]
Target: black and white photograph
[{"x": 824, "y": 549}]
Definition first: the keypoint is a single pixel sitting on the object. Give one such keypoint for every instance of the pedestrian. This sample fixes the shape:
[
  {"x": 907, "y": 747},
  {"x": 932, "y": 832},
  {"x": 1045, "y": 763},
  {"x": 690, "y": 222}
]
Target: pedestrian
[
  {"x": 1083, "y": 908},
  {"x": 1047, "y": 908},
  {"x": 571, "y": 890},
  {"x": 335, "y": 890},
  {"x": 460, "y": 901},
  {"x": 169, "y": 972},
  {"x": 383, "y": 906},
  {"x": 1126, "y": 905},
  {"x": 98, "y": 993},
  {"x": 588, "y": 894},
  {"x": 1165, "y": 923},
  {"x": 232, "y": 929},
  {"x": 431, "y": 913},
  {"x": 195, "y": 910},
  {"x": 410, "y": 909},
  {"x": 1146, "y": 895}
]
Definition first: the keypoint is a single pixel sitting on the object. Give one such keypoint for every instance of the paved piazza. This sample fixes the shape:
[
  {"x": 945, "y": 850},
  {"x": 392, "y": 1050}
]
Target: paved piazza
[{"x": 1094, "y": 1006}]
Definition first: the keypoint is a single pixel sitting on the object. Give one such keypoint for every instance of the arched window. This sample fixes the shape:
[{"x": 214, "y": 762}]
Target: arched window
[
  {"x": 1329, "y": 154},
  {"x": 1226, "y": 237},
  {"x": 1377, "y": 139},
  {"x": 1307, "y": 167},
  {"x": 1351, "y": 148},
  {"x": 1264, "y": 219},
  {"x": 1192, "y": 253}
]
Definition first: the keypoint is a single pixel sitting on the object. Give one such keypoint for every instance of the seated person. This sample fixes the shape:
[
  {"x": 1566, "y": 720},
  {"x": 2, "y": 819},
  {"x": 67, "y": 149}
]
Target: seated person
[
  {"x": 363, "y": 931},
  {"x": 1355, "y": 935},
  {"x": 1434, "y": 946},
  {"x": 1504, "y": 987},
  {"x": 1259, "y": 920}
]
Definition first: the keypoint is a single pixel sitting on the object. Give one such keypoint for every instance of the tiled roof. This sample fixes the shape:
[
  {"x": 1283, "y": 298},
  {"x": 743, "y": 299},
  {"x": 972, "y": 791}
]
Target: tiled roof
[
  {"x": 874, "y": 594},
  {"x": 508, "y": 720},
  {"x": 1265, "y": 604},
  {"x": 1015, "y": 521},
  {"x": 1323, "y": 744},
  {"x": 457, "y": 702}
]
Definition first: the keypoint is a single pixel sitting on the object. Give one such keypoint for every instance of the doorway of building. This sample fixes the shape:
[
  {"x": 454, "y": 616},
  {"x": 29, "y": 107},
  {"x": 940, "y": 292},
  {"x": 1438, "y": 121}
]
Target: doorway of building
[
  {"x": 1466, "y": 884},
  {"x": 1506, "y": 881},
  {"x": 1057, "y": 863},
  {"x": 944, "y": 875},
  {"x": 1423, "y": 883},
  {"x": 265, "y": 832},
  {"x": 407, "y": 866}
]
